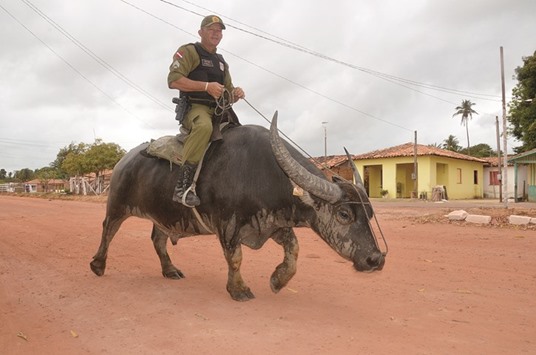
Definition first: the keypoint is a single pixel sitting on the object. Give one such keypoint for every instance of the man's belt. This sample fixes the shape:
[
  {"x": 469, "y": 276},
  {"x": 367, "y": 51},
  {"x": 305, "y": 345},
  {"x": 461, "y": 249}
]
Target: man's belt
[{"x": 209, "y": 103}]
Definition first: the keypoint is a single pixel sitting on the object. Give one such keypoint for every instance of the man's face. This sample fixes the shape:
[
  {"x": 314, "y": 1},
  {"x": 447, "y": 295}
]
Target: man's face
[{"x": 211, "y": 35}]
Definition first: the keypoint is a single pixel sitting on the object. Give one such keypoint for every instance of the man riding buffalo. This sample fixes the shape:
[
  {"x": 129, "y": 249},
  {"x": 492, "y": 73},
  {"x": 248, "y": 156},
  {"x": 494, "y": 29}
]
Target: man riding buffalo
[{"x": 202, "y": 76}]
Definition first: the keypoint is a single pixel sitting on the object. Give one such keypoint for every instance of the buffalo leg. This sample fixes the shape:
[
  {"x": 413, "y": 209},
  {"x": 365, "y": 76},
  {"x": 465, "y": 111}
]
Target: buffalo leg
[
  {"x": 110, "y": 226},
  {"x": 159, "y": 239},
  {"x": 287, "y": 269},
  {"x": 236, "y": 286}
]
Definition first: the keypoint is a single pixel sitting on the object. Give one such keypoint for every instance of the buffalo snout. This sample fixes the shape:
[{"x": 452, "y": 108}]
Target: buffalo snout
[{"x": 373, "y": 262}]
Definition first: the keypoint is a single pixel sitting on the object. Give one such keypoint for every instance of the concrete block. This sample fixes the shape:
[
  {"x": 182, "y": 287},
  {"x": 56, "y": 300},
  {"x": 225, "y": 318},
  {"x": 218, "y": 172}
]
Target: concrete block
[
  {"x": 523, "y": 220},
  {"x": 477, "y": 218},
  {"x": 533, "y": 221},
  {"x": 459, "y": 215}
]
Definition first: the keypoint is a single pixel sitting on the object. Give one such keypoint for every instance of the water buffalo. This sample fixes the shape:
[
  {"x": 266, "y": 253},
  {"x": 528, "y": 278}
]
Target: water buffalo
[{"x": 247, "y": 188}]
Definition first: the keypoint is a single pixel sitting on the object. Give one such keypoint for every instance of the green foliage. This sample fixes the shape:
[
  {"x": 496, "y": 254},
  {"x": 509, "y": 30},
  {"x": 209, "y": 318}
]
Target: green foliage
[
  {"x": 522, "y": 110},
  {"x": 451, "y": 143},
  {"x": 83, "y": 159},
  {"x": 71, "y": 159},
  {"x": 75, "y": 159},
  {"x": 102, "y": 156},
  {"x": 24, "y": 175},
  {"x": 466, "y": 110},
  {"x": 62, "y": 155},
  {"x": 481, "y": 150}
]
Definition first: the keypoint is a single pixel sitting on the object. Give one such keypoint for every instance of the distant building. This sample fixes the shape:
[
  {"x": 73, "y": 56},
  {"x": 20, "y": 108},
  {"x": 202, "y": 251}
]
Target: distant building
[
  {"x": 524, "y": 177},
  {"x": 45, "y": 185},
  {"x": 390, "y": 171}
]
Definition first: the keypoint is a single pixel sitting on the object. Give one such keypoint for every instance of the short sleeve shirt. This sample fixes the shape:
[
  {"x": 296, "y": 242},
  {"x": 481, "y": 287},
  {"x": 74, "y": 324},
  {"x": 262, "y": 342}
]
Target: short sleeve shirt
[{"x": 185, "y": 60}]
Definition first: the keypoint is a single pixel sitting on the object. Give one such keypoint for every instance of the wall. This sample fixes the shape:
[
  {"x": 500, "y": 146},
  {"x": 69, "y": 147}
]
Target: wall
[
  {"x": 492, "y": 191},
  {"x": 432, "y": 171}
]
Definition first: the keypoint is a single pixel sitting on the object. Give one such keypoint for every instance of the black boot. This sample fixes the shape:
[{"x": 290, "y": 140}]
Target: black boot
[{"x": 186, "y": 176}]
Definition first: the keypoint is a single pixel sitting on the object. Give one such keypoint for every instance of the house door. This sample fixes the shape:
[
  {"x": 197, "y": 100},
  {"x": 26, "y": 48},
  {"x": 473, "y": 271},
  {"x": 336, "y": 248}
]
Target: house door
[{"x": 373, "y": 180}]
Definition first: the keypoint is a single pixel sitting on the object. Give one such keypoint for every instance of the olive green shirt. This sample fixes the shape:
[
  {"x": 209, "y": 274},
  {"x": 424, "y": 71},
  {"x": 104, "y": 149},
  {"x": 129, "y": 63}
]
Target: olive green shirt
[{"x": 185, "y": 60}]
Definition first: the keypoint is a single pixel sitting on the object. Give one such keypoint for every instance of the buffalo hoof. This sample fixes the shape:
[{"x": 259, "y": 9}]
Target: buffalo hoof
[
  {"x": 275, "y": 284},
  {"x": 98, "y": 267},
  {"x": 280, "y": 277},
  {"x": 241, "y": 295},
  {"x": 173, "y": 273}
]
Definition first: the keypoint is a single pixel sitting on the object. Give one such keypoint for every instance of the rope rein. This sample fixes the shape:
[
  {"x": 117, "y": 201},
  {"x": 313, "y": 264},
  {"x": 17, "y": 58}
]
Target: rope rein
[
  {"x": 361, "y": 202},
  {"x": 291, "y": 141},
  {"x": 224, "y": 102}
]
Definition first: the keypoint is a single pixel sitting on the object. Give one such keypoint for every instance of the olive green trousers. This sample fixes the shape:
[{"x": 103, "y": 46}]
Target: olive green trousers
[{"x": 199, "y": 122}]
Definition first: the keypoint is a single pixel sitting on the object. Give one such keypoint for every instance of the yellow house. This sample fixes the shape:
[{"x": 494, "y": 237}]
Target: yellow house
[{"x": 391, "y": 171}]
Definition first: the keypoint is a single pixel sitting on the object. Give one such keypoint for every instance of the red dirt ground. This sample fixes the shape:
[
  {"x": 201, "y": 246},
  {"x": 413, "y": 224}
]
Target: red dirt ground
[{"x": 447, "y": 288}]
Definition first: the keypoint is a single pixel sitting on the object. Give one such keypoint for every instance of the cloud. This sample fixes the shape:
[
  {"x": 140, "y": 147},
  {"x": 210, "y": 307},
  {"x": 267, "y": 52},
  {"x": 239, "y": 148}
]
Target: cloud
[{"x": 45, "y": 103}]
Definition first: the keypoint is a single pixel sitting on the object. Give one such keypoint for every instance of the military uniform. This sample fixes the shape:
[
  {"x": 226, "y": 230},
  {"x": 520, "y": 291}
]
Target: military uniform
[{"x": 195, "y": 63}]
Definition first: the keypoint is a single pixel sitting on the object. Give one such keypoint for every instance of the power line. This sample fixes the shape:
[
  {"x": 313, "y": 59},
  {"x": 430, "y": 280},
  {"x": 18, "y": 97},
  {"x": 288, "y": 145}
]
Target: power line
[
  {"x": 73, "y": 67},
  {"x": 260, "y": 67},
  {"x": 388, "y": 77},
  {"x": 95, "y": 57}
]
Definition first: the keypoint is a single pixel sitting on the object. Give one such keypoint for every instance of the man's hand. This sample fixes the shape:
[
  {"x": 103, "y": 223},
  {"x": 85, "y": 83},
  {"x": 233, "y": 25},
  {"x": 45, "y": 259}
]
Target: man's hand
[
  {"x": 215, "y": 89},
  {"x": 238, "y": 94}
]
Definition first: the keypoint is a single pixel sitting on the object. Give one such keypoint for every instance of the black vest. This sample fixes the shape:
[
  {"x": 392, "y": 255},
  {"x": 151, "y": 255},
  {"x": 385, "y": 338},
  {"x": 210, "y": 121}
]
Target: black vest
[{"x": 211, "y": 68}]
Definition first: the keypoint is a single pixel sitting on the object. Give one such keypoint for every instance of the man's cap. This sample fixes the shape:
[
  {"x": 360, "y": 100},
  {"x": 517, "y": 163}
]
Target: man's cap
[{"x": 211, "y": 19}]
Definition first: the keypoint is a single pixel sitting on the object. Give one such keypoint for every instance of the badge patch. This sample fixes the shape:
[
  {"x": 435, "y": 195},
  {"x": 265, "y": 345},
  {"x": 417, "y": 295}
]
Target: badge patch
[
  {"x": 175, "y": 64},
  {"x": 222, "y": 66},
  {"x": 178, "y": 55},
  {"x": 207, "y": 63}
]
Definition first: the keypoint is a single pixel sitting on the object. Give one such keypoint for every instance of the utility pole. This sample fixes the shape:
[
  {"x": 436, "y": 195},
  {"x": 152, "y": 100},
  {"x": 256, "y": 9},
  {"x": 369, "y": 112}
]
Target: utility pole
[
  {"x": 415, "y": 169},
  {"x": 325, "y": 142},
  {"x": 499, "y": 158},
  {"x": 505, "y": 165}
]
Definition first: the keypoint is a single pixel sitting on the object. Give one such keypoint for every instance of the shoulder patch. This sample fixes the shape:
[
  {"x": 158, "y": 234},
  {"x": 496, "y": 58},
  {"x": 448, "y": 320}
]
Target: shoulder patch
[{"x": 178, "y": 55}]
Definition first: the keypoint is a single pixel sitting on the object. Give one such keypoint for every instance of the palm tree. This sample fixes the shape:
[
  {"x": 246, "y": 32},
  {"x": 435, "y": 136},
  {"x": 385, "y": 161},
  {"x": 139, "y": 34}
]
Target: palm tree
[
  {"x": 451, "y": 143},
  {"x": 466, "y": 111}
]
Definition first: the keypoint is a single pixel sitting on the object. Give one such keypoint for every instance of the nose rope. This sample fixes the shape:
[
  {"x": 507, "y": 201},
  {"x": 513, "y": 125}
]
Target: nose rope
[
  {"x": 376, "y": 239},
  {"x": 362, "y": 203}
]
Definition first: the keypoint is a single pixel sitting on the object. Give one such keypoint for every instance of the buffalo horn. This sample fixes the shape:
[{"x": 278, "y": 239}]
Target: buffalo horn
[
  {"x": 311, "y": 183},
  {"x": 357, "y": 176}
]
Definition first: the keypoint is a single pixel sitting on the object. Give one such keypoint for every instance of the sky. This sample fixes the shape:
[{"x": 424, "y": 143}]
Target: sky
[{"x": 359, "y": 74}]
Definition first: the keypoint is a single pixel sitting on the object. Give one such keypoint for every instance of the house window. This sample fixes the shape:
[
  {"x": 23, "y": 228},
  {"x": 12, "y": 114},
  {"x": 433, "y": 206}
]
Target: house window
[
  {"x": 494, "y": 178},
  {"x": 475, "y": 177},
  {"x": 458, "y": 175}
]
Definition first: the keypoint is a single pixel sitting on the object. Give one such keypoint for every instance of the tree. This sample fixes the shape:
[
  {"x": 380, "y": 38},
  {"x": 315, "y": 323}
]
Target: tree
[
  {"x": 451, "y": 143},
  {"x": 466, "y": 110},
  {"x": 73, "y": 162},
  {"x": 24, "y": 175},
  {"x": 57, "y": 164},
  {"x": 3, "y": 174},
  {"x": 83, "y": 159},
  {"x": 481, "y": 150},
  {"x": 523, "y": 105},
  {"x": 102, "y": 156}
]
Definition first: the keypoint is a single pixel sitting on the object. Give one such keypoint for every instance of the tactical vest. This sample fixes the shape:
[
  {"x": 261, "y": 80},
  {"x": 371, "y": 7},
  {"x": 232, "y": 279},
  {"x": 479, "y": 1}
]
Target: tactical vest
[{"x": 211, "y": 68}]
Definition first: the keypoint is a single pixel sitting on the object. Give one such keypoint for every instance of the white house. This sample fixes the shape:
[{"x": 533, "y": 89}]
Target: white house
[{"x": 492, "y": 183}]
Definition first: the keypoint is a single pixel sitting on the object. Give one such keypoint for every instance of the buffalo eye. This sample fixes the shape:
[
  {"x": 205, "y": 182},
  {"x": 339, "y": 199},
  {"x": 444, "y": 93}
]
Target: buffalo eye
[{"x": 344, "y": 216}]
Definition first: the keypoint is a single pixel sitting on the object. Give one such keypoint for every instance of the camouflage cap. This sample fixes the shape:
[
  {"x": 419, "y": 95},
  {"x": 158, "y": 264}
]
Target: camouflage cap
[{"x": 211, "y": 19}]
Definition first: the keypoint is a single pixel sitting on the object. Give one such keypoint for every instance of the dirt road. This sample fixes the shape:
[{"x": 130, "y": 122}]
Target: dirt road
[{"x": 445, "y": 289}]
